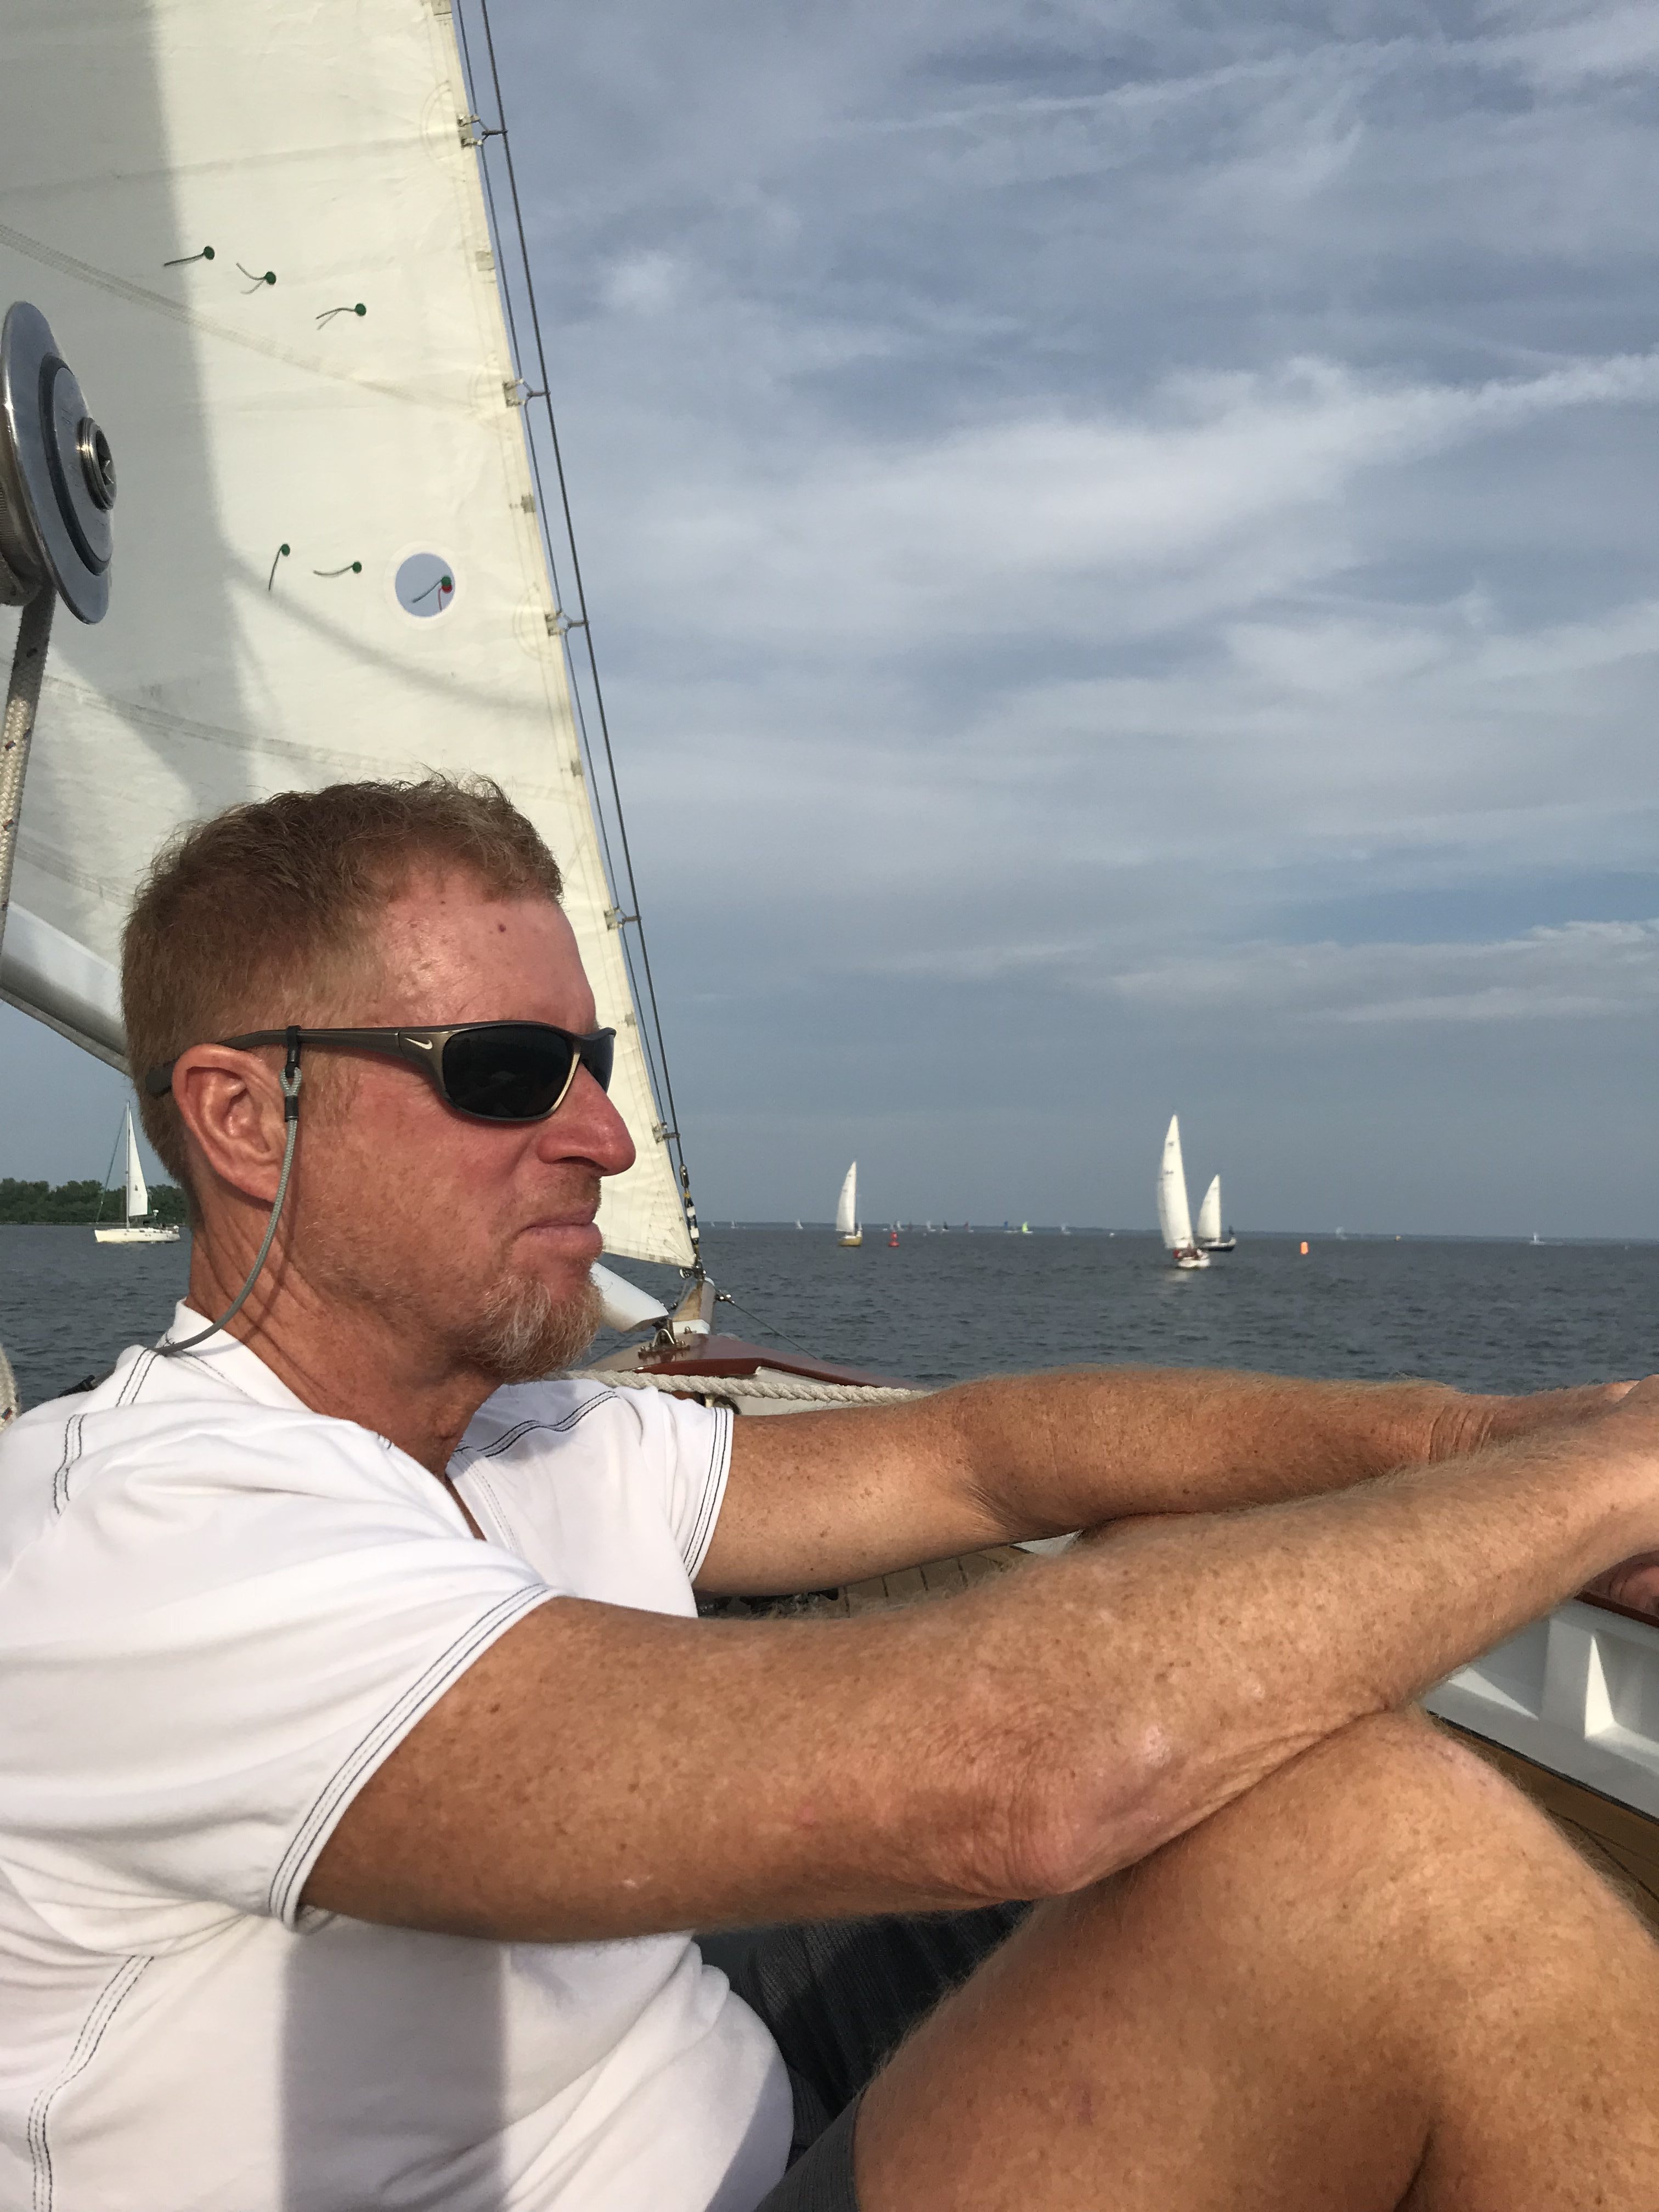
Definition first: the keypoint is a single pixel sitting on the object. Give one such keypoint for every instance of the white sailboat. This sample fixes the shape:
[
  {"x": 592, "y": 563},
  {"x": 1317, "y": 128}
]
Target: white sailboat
[
  {"x": 847, "y": 1230},
  {"x": 1211, "y": 1236},
  {"x": 1174, "y": 1220},
  {"x": 137, "y": 1228}
]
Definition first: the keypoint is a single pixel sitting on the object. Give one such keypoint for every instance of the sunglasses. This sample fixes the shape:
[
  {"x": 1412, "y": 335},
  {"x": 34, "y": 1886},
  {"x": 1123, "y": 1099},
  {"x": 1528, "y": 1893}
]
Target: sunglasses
[{"x": 488, "y": 1071}]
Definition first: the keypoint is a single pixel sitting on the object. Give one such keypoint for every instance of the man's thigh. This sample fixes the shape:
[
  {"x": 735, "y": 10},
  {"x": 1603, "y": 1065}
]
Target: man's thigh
[{"x": 1380, "y": 1947}]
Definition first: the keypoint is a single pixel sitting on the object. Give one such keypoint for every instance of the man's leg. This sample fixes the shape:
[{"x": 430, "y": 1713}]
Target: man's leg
[{"x": 1379, "y": 1980}]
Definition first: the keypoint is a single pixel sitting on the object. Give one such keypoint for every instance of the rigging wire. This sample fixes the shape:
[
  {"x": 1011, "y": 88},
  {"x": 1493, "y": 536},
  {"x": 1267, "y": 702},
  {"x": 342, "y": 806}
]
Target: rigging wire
[
  {"x": 657, "y": 1059},
  {"x": 726, "y": 1298},
  {"x": 109, "y": 1172},
  {"x": 626, "y": 913}
]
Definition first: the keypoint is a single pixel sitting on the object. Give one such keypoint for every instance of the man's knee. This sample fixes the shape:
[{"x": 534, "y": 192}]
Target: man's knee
[{"x": 1390, "y": 1826}]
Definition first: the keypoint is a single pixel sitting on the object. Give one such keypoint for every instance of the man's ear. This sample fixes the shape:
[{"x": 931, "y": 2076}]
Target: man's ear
[{"x": 231, "y": 1105}]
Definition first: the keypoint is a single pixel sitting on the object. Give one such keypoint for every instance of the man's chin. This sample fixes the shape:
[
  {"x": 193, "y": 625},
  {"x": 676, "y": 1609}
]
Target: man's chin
[{"x": 527, "y": 1329}]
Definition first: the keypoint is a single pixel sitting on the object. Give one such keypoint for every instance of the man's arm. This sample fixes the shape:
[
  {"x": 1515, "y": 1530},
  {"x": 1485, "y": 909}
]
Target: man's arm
[
  {"x": 818, "y": 1499},
  {"x": 603, "y": 1772}
]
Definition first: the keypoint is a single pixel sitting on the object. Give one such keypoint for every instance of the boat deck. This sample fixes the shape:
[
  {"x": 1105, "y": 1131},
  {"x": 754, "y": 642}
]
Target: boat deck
[{"x": 1621, "y": 1843}]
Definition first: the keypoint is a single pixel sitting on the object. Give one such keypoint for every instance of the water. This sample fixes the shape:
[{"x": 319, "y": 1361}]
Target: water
[
  {"x": 1498, "y": 1317},
  {"x": 68, "y": 1305}
]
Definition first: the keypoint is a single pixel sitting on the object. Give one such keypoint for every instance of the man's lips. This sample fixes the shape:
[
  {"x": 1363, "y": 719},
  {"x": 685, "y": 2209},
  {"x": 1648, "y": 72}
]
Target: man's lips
[{"x": 579, "y": 1231}]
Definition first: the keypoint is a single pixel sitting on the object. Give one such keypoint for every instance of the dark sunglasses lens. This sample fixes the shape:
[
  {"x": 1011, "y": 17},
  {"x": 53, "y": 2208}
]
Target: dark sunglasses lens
[
  {"x": 510, "y": 1072},
  {"x": 599, "y": 1056}
]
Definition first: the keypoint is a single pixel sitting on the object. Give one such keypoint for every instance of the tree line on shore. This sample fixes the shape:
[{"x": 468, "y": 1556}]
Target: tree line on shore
[{"x": 77, "y": 1204}]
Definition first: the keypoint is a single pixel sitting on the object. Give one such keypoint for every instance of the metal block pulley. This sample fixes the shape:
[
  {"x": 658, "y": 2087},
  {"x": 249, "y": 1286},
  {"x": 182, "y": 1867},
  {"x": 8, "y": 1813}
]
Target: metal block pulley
[
  {"x": 57, "y": 491},
  {"x": 57, "y": 475}
]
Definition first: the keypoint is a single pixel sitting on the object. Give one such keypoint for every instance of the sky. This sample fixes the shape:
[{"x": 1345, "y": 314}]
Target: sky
[{"x": 1123, "y": 546}]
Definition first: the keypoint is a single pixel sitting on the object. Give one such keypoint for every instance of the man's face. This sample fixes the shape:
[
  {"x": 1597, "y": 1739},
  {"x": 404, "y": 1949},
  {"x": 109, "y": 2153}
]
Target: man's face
[{"x": 477, "y": 1236}]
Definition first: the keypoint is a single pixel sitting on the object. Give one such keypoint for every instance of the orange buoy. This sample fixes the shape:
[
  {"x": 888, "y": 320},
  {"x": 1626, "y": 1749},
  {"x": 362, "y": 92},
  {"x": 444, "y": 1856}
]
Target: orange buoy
[{"x": 1304, "y": 1248}]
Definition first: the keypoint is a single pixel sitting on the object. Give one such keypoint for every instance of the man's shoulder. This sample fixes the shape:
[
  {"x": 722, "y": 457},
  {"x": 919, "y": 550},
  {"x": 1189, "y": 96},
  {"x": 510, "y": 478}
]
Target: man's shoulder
[
  {"x": 139, "y": 1378},
  {"x": 176, "y": 1421}
]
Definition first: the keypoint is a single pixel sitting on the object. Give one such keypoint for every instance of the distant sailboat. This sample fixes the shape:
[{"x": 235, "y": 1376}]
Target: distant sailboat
[
  {"x": 138, "y": 1228},
  {"x": 1175, "y": 1220},
  {"x": 847, "y": 1210},
  {"x": 1211, "y": 1236}
]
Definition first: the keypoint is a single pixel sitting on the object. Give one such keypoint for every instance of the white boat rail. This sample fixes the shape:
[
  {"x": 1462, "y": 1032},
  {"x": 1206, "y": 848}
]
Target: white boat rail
[{"x": 1577, "y": 1693}]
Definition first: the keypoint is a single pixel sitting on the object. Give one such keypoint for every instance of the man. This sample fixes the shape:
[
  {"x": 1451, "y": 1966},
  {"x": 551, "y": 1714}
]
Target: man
[{"x": 364, "y": 1759}]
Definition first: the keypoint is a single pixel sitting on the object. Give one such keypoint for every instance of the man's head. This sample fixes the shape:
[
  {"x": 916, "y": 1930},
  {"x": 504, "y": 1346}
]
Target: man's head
[{"x": 375, "y": 905}]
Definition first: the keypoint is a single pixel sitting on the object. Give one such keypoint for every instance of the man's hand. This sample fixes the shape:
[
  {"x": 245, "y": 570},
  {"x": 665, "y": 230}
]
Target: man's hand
[{"x": 1636, "y": 1584}]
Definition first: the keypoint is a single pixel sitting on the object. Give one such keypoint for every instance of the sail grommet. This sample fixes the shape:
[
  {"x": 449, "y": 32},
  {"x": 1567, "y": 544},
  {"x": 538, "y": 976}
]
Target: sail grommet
[{"x": 57, "y": 472}]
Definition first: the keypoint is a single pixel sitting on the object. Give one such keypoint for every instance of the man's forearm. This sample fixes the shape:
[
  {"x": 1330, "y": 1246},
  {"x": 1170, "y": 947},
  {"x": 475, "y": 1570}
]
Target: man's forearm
[
  {"x": 831, "y": 1498},
  {"x": 1080, "y": 1447},
  {"x": 601, "y": 1772},
  {"x": 1237, "y": 1641}
]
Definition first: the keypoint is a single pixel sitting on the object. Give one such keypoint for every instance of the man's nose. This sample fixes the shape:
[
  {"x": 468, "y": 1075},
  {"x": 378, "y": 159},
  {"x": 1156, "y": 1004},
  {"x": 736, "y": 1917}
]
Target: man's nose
[{"x": 586, "y": 1126}]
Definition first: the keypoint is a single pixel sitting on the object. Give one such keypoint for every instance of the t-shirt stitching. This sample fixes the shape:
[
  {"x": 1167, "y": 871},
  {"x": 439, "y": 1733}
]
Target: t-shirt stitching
[
  {"x": 712, "y": 1492},
  {"x": 71, "y": 1453},
  {"x": 423, "y": 1692},
  {"x": 136, "y": 1381},
  {"x": 498, "y": 1509},
  {"x": 214, "y": 1374},
  {"x": 471, "y": 1452},
  {"x": 108, "y": 2002}
]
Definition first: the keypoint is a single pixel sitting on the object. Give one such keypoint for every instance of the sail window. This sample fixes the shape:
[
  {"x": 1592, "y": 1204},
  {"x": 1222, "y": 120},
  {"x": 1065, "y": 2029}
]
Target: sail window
[{"x": 425, "y": 585}]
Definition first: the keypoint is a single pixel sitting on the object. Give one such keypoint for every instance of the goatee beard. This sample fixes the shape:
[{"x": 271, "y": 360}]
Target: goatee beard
[{"x": 525, "y": 1331}]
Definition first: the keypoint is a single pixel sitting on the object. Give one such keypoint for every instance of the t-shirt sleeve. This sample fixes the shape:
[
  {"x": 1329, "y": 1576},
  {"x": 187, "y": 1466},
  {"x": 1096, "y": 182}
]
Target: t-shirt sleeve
[
  {"x": 211, "y": 1649},
  {"x": 690, "y": 1446}
]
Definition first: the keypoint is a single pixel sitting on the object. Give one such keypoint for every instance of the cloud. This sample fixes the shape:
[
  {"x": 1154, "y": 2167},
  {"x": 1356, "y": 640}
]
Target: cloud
[
  {"x": 1219, "y": 492},
  {"x": 644, "y": 284},
  {"x": 1107, "y": 519},
  {"x": 1586, "y": 971}
]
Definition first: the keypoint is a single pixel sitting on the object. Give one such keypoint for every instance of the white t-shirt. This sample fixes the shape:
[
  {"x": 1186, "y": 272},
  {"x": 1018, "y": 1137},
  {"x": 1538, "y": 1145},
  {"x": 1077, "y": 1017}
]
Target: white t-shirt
[{"x": 220, "y": 1612}]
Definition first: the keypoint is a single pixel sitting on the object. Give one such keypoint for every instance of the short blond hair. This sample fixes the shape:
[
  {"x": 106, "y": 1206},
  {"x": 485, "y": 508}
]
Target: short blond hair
[{"x": 263, "y": 914}]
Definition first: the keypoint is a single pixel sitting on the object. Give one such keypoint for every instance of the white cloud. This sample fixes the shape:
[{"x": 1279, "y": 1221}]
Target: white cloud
[
  {"x": 1585, "y": 971},
  {"x": 645, "y": 284}
]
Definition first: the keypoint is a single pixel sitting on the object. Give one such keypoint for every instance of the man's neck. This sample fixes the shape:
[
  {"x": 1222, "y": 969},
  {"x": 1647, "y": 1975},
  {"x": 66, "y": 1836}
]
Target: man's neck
[{"x": 360, "y": 1365}]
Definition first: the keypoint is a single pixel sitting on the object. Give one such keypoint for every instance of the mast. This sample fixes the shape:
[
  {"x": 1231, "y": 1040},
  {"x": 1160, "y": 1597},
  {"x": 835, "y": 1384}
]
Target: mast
[{"x": 334, "y": 562}]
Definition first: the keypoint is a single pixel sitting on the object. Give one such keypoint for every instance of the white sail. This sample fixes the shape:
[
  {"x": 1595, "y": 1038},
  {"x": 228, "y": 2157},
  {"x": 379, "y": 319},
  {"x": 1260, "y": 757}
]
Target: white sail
[
  {"x": 1174, "y": 1221},
  {"x": 137, "y": 1189},
  {"x": 847, "y": 1206},
  {"x": 268, "y": 437},
  {"x": 1209, "y": 1214}
]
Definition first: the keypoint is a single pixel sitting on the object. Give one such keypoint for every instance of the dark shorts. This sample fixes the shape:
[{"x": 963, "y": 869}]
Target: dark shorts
[{"x": 839, "y": 1996}]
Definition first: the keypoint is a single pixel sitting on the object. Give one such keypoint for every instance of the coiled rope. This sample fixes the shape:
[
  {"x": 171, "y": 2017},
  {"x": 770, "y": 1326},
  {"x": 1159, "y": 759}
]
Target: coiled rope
[{"x": 750, "y": 1386}]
